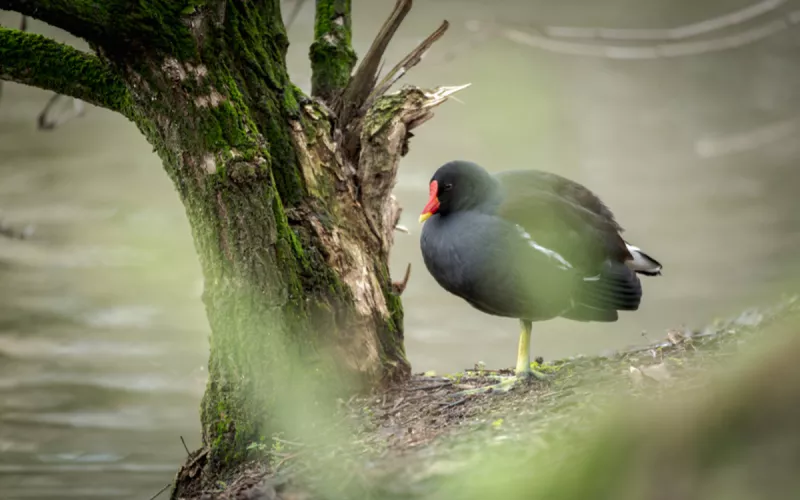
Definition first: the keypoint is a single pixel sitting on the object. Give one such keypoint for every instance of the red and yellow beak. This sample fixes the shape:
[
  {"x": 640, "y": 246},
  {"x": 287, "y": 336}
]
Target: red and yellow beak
[{"x": 433, "y": 203}]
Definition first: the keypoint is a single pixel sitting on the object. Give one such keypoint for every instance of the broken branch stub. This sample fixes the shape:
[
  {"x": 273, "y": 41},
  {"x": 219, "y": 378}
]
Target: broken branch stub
[
  {"x": 356, "y": 108},
  {"x": 408, "y": 62},
  {"x": 363, "y": 81},
  {"x": 384, "y": 141}
]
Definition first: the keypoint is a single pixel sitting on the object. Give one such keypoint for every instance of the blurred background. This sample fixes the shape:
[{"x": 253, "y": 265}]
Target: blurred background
[{"x": 683, "y": 116}]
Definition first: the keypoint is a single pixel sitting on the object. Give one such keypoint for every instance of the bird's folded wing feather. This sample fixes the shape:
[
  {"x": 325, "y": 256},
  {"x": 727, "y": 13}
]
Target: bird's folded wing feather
[{"x": 584, "y": 236}]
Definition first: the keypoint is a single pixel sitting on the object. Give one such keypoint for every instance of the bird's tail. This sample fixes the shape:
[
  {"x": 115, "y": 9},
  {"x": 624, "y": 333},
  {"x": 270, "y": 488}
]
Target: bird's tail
[
  {"x": 598, "y": 298},
  {"x": 642, "y": 263}
]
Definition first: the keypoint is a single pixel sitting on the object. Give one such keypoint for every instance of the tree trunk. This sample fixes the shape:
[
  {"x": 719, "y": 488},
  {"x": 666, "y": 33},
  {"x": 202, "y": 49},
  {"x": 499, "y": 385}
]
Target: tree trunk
[{"x": 288, "y": 197}]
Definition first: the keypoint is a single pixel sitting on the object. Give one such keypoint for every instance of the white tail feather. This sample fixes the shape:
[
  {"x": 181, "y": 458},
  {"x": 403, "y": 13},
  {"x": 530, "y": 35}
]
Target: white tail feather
[{"x": 642, "y": 262}]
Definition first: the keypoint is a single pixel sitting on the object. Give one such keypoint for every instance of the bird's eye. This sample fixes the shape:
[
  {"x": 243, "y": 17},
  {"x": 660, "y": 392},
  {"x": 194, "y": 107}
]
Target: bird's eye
[{"x": 447, "y": 187}]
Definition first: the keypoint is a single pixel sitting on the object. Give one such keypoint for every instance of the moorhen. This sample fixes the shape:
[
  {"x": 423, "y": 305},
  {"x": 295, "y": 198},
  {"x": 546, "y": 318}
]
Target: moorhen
[{"x": 530, "y": 245}]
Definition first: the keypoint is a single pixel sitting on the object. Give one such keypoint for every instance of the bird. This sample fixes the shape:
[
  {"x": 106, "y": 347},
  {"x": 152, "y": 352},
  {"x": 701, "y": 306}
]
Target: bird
[{"x": 530, "y": 245}]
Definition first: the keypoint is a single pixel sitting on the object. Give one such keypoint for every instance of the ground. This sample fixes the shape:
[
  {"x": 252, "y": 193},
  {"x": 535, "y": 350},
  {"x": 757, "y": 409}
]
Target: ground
[{"x": 410, "y": 439}]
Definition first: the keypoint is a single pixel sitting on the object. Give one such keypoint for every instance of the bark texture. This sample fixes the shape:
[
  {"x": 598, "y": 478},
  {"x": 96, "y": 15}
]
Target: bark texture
[{"x": 292, "y": 230}]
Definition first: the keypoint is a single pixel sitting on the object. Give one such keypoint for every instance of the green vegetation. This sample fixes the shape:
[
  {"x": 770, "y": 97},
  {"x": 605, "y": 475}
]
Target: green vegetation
[{"x": 692, "y": 407}]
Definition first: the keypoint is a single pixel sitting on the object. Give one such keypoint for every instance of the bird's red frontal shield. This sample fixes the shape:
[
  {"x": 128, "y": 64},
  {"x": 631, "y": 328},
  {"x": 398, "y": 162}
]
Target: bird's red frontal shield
[{"x": 433, "y": 202}]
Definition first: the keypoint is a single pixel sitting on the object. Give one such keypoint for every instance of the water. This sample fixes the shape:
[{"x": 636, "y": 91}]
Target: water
[{"x": 103, "y": 337}]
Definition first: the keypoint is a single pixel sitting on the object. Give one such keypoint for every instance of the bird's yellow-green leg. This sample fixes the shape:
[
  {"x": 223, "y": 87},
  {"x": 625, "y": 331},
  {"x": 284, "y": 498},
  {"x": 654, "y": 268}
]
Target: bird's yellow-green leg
[{"x": 523, "y": 370}]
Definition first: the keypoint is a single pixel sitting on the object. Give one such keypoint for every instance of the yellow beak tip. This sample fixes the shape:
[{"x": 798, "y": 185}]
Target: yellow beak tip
[{"x": 424, "y": 217}]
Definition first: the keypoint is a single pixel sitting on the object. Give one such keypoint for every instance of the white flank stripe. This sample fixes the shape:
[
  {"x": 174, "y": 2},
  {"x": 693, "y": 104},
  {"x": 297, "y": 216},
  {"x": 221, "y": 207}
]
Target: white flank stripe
[{"x": 550, "y": 253}]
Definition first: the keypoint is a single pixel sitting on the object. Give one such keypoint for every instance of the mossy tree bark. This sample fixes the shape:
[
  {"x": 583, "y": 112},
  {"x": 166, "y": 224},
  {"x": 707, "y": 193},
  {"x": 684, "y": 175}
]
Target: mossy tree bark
[{"x": 292, "y": 229}]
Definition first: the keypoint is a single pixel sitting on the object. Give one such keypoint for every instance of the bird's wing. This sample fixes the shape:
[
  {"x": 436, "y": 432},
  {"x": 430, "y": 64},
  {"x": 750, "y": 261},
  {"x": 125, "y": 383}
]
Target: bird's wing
[
  {"x": 512, "y": 274},
  {"x": 518, "y": 182},
  {"x": 581, "y": 237}
]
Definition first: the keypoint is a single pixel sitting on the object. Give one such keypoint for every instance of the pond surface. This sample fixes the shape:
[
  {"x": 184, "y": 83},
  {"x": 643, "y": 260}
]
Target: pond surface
[{"x": 103, "y": 337}]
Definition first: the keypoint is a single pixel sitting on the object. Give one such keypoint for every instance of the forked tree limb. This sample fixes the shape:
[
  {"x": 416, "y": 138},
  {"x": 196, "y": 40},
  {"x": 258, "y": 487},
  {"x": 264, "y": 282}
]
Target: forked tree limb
[{"x": 38, "y": 61}]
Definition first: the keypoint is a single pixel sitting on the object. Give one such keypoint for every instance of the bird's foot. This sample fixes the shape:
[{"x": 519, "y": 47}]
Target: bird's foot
[
  {"x": 507, "y": 382},
  {"x": 531, "y": 374}
]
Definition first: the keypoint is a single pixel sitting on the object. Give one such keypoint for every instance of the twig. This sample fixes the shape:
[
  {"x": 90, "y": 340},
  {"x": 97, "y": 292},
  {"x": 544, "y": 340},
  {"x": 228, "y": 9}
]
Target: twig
[
  {"x": 188, "y": 453},
  {"x": 408, "y": 62},
  {"x": 162, "y": 490},
  {"x": 478, "y": 35},
  {"x": 446, "y": 406},
  {"x": 434, "y": 386},
  {"x": 398, "y": 287},
  {"x": 358, "y": 89}
]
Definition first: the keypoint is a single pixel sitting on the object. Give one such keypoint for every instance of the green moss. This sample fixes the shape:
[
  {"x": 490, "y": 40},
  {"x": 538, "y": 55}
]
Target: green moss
[
  {"x": 332, "y": 66},
  {"x": 192, "y": 6},
  {"x": 290, "y": 104},
  {"x": 41, "y": 62},
  {"x": 393, "y": 353},
  {"x": 284, "y": 157},
  {"x": 382, "y": 112},
  {"x": 332, "y": 56},
  {"x": 156, "y": 26}
]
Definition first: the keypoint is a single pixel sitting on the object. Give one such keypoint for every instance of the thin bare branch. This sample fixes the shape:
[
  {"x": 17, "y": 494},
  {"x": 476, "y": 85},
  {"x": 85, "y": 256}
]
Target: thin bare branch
[
  {"x": 398, "y": 287},
  {"x": 38, "y": 61},
  {"x": 478, "y": 36},
  {"x": 362, "y": 82},
  {"x": 408, "y": 62},
  {"x": 162, "y": 490}
]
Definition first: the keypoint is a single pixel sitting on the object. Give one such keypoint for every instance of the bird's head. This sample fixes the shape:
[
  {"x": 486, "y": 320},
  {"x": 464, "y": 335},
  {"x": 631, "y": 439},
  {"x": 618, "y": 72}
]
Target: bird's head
[{"x": 456, "y": 186}]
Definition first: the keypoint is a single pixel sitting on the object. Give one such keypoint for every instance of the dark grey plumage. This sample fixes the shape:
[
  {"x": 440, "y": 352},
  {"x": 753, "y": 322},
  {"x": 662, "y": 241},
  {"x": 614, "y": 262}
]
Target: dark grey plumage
[{"x": 530, "y": 245}]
